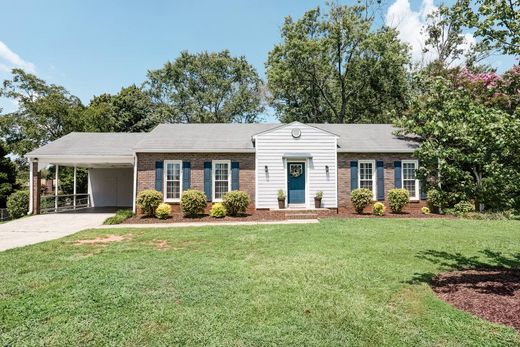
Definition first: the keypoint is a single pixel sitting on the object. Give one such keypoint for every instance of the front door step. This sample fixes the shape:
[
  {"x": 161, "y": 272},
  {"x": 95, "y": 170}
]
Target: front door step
[{"x": 301, "y": 216}]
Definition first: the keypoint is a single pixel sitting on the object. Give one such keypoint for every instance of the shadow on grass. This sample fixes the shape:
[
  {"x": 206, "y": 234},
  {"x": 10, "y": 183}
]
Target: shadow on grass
[{"x": 487, "y": 263}]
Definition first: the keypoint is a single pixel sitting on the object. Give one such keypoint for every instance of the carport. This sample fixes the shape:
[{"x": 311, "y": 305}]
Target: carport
[{"x": 111, "y": 164}]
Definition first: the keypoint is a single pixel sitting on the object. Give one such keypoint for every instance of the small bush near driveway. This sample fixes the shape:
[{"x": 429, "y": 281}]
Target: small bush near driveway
[
  {"x": 18, "y": 204},
  {"x": 148, "y": 200}
]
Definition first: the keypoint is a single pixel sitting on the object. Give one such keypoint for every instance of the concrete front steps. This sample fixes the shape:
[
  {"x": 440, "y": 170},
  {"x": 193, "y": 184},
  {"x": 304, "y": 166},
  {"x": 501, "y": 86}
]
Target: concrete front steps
[{"x": 292, "y": 213}]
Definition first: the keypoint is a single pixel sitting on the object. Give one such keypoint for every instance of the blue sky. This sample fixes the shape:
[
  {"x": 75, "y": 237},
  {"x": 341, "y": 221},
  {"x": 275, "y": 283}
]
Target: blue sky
[{"x": 92, "y": 47}]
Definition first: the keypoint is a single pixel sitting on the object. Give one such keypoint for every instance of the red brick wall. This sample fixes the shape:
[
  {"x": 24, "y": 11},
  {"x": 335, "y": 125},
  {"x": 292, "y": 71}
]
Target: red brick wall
[
  {"x": 146, "y": 169},
  {"x": 344, "y": 174}
]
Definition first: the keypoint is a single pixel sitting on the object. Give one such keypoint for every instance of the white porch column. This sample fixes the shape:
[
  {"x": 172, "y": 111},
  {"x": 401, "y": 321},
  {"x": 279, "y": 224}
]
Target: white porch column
[
  {"x": 74, "y": 192},
  {"x": 56, "y": 189},
  {"x": 31, "y": 187},
  {"x": 134, "y": 196}
]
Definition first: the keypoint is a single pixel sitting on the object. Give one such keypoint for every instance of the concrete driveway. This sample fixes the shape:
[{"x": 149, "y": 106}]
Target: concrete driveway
[{"x": 34, "y": 229}]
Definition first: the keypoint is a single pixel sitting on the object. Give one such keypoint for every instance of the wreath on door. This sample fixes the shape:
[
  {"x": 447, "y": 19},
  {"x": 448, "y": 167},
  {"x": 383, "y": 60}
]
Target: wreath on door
[{"x": 296, "y": 170}]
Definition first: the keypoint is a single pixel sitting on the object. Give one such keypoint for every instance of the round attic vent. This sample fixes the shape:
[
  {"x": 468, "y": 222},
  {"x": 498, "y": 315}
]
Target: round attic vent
[{"x": 296, "y": 133}]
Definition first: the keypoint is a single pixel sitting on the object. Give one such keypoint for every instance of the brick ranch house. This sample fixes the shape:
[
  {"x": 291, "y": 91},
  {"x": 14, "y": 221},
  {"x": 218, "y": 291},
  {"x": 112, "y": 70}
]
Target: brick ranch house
[{"x": 260, "y": 159}]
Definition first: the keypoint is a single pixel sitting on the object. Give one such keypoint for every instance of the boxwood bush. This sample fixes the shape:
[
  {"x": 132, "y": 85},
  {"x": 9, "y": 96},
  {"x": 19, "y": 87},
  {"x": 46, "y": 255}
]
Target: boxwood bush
[
  {"x": 397, "y": 199},
  {"x": 378, "y": 209},
  {"x": 148, "y": 201},
  {"x": 193, "y": 202},
  {"x": 163, "y": 211},
  {"x": 361, "y": 198},
  {"x": 463, "y": 207},
  {"x": 218, "y": 211},
  {"x": 18, "y": 204},
  {"x": 235, "y": 202}
]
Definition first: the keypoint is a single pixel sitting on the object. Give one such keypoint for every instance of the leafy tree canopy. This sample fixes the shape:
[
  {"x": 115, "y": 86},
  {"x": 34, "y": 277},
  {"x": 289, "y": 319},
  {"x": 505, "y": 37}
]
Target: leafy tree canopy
[
  {"x": 335, "y": 68},
  {"x": 45, "y": 112},
  {"x": 7, "y": 176},
  {"x": 206, "y": 88}
]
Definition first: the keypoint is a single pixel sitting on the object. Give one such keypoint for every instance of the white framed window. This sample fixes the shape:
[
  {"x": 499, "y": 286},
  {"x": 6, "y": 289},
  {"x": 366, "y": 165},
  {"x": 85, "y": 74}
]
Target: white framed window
[
  {"x": 409, "y": 178},
  {"x": 172, "y": 180},
  {"x": 367, "y": 176},
  {"x": 221, "y": 178}
]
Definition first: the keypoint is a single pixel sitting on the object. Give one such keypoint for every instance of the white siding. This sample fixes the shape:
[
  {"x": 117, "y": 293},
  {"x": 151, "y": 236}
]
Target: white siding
[
  {"x": 110, "y": 187},
  {"x": 271, "y": 146}
]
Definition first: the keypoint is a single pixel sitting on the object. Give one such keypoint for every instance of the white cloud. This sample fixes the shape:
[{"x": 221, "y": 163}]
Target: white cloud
[
  {"x": 410, "y": 24},
  {"x": 10, "y": 60}
]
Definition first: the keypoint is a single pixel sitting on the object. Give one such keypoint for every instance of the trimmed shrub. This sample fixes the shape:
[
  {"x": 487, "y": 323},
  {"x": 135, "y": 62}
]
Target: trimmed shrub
[
  {"x": 435, "y": 199},
  {"x": 397, "y": 199},
  {"x": 425, "y": 210},
  {"x": 148, "y": 200},
  {"x": 18, "y": 204},
  {"x": 361, "y": 198},
  {"x": 163, "y": 211},
  {"x": 463, "y": 207},
  {"x": 193, "y": 202},
  {"x": 319, "y": 195},
  {"x": 280, "y": 195},
  {"x": 218, "y": 211},
  {"x": 378, "y": 209},
  {"x": 235, "y": 202},
  {"x": 120, "y": 217}
]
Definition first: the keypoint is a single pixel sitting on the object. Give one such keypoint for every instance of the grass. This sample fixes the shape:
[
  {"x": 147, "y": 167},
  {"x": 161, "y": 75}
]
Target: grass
[
  {"x": 359, "y": 282},
  {"x": 119, "y": 217}
]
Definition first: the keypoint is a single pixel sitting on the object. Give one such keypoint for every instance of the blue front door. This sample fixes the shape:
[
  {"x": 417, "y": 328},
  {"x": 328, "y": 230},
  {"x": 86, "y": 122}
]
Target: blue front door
[{"x": 296, "y": 183}]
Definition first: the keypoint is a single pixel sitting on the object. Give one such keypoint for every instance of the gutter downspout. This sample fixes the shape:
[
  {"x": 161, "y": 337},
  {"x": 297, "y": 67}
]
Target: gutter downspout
[
  {"x": 31, "y": 188},
  {"x": 134, "y": 197}
]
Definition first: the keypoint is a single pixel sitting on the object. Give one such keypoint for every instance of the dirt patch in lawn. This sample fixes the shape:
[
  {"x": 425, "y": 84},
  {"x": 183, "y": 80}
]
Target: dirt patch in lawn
[
  {"x": 103, "y": 240},
  {"x": 492, "y": 294}
]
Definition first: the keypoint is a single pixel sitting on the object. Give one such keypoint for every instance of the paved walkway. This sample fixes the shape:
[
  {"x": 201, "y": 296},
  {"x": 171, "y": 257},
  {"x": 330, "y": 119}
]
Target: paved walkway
[
  {"x": 204, "y": 224},
  {"x": 34, "y": 229}
]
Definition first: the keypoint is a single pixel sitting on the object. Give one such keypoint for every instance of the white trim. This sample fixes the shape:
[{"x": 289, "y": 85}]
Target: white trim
[
  {"x": 417, "y": 185},
  {"x": 374, "y": 176},
  {"x": 213, "y": 172},
  {"x": 165, "y": 171},
  {"x": 31, "y": 187},
  {"x": 134, "y": 193},
  {"x": 281, "y": 126},
  {"x": 191, "y": 150}
]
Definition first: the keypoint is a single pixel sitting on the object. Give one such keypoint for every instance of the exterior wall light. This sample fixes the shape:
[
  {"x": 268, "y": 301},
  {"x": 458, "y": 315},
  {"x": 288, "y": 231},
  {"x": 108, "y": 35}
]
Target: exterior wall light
[
  {"x": 266, "y": 170},
  {"x": 326, "y": 168}
]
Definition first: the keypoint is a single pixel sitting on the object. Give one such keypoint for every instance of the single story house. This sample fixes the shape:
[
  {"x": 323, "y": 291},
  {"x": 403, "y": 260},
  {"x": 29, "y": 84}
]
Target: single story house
[{"x": 260, "y": 159}]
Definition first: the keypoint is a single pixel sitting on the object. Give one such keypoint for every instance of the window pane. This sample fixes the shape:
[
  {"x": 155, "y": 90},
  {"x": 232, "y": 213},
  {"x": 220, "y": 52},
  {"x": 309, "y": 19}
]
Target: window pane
[
  {"x": 410, "y": 186},
  {"x": 409, "y": 171},
  {"x": 221, "y": 171},
  {"x": 366, "y": 184},
  {"x": 221, "y": 187},
  {"x": 173, "y": 190},
  {"x": 173, "y": 171}
]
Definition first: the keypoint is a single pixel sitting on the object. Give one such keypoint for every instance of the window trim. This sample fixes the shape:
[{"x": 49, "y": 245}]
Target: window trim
[
  {"x": 165, "y": 182},
  {"x": 213, "y": 174},
  {"x": 417, "y": 186},
  {"x": 374, "y": 176}
]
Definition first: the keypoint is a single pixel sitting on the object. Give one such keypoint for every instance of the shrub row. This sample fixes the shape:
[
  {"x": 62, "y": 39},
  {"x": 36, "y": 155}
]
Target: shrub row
[{"x": 397, "y": 200}]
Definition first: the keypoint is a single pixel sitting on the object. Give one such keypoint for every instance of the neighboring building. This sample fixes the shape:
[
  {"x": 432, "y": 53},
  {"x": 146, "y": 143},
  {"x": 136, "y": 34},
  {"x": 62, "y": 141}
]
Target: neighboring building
[{"x": 260, "y": 159}]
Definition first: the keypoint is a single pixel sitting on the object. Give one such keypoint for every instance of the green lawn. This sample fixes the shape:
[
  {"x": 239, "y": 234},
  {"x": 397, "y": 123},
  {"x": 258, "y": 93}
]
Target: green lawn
[{"x": 359, "y": 282}]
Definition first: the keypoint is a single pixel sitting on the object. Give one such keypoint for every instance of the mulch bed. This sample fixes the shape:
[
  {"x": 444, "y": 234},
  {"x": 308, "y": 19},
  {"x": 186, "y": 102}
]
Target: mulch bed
[
  {"x": 406, "y": 214},
  {"x": 492, "y": 294},
  {"x": 179, "y": 218}
]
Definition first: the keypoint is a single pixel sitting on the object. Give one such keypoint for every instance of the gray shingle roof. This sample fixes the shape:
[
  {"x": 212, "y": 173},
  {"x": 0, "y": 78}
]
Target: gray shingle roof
[
  {"x": 354, "y": 138},
  {"x": 97, "y": 144},
  {"x": 202, "y": 137}
]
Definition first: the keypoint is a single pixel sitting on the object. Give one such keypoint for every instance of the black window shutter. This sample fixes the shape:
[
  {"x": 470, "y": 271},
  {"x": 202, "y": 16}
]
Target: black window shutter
[
  {"x": 397, "y": 174},
  {"x": 380, "y": 173},
  {"x": 235, "y": 175},
  {"x": 186, "y": 175},
  {"x": 159, "y": 175},
  {"x": 207, "y": 180},
  {"x": 353, "y": 175}
]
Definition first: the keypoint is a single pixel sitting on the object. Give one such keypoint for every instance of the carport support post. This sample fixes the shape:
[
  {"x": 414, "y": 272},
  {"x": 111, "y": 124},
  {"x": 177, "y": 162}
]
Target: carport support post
[
  {"x": 74, "y": 193},
  {"x": 56, "y": 189}
]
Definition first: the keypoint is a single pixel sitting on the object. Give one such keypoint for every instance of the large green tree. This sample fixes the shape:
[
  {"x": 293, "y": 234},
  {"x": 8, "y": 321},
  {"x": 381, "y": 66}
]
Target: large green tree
[
  {"x": 45, "y": 112},
  {"x": 469, "y": 148},
  {"x": 206, "y": 88},
  {"x": 496, "y": 22},
  {"x": 130, "y": 110},
  {"x": 337, "y": 68}
]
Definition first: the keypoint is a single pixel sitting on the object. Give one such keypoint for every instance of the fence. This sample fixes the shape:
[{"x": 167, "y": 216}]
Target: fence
[{"x": 62, "y": 203}]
